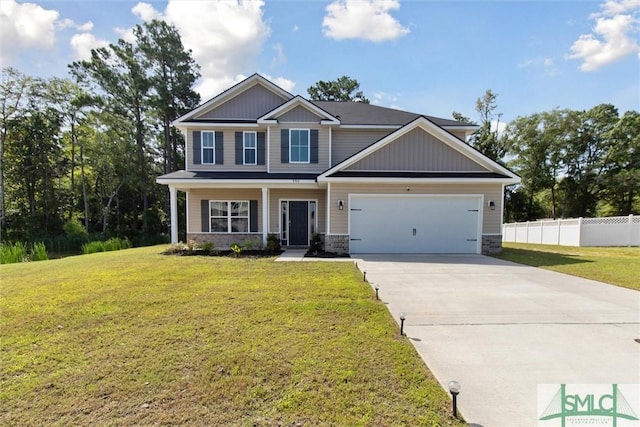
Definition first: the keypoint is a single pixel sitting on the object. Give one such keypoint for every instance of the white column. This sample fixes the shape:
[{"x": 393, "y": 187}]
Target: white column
[
  {"x": 173, "y": 198},
  {"x": 265, "y": 214}
]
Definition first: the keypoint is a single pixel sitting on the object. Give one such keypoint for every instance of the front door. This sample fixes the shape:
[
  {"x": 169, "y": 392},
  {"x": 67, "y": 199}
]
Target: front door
[{"x": 298, "y": 223}]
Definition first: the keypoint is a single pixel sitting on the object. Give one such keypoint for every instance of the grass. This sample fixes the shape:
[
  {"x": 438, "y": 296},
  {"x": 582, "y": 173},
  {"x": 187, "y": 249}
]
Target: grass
[
  {"x": 137, "y": 338},
  {"x": 617, "y": 266}
]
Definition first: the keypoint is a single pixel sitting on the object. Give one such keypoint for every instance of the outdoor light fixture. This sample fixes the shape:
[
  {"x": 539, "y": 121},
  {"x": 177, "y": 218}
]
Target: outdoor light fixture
[
  {"x": 402, "y": 318},
  {"x": 377, "y": 288},
  {"x": 340, "y": 204},
  {"x": 492, "y": 205},
  {"x": 364, "y": 276},
  {"x": 454, "y": 389}
]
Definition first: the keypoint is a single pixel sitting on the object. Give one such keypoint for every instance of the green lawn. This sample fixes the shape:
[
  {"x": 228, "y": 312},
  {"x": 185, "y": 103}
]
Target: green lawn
[
  {"x": 139, "y": 338},
  {"x": 617, "y": 266}
]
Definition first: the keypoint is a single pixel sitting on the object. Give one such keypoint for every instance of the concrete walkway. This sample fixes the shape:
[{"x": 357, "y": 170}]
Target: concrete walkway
[{"x": 501, "y": 329}]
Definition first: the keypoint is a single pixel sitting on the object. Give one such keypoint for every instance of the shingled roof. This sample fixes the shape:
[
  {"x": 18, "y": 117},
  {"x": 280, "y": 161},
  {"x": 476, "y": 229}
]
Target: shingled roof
[{"x": 359, "y": 113}]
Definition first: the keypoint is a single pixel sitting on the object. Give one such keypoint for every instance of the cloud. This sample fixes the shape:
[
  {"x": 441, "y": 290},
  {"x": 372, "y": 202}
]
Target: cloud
[
  {"x": 612, "y": 38},
  {"x": 547, "y": 64},
  {"x": 83, "y": 43},
  {"x": 146, "y": 12},
  {"x": 25, "y": 26},
  {"x": 280, "y": 57},
  {"x": 362, "y": 19}
]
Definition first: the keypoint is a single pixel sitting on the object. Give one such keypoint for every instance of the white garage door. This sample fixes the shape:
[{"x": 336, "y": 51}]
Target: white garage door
[{"x": 414, "y": 224}]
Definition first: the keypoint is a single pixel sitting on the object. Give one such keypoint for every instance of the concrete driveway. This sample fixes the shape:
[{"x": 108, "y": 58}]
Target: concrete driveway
[{"x": 501, "y": 329}]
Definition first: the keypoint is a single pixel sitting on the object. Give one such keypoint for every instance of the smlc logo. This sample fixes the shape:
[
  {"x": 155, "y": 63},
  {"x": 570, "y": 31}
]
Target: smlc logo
[{"x": 588, "y": 404}]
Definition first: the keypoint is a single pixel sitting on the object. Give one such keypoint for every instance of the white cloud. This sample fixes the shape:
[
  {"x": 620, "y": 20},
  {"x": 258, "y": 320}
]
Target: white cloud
[
  {"x": 613, "y": 37},
  {"x": 547, "y": 64},
  {"x": 280, "y": 57},
  {"x": 83, "y": 43},
  {"x": 146, "y": 12},
  {"x": 362, "y": 19},
  {"x": 125, "y": 34},
  {"x": 286, "y": 84},
  {"x": 295, "y": 28},
  {"x": 25, "y": 26}
]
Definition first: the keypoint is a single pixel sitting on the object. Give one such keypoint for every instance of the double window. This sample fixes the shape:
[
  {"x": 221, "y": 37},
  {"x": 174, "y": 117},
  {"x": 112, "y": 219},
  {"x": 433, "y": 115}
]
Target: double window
[
  {"x": 229, "y": 216},
  {"x": 250, "y": 148},
  {"x": 299, "y": 146},
  {"x": 208, "y": 147}
]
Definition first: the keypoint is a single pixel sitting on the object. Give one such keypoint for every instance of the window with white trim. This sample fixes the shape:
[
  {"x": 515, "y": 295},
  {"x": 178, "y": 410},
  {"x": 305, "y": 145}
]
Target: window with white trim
[
  {"x": 299, "y": 146},
  {"x": 229, "y": 216},
  {"x": 250, "y": 148},
  {"x": 208, "y": 147}
]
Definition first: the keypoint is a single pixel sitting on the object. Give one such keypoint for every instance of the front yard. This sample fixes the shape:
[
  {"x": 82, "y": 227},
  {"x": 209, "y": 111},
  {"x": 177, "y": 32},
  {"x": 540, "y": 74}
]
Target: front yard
[
  {"x": 617, "y": 266},
  {"x": 138, "y": 338}
]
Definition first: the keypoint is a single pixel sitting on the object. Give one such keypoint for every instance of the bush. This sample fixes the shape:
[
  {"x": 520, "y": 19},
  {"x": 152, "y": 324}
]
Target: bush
[
  {"x": 316, "y": 243},
  {"x": 207, "y": 246},
  {"x": 113, "y": 244},
  {"x": 39, "y": 252},
  {"x": 236, "y": 248},
  {"x": 12, "y": 253},
  {"x": 273, "y": 243}
]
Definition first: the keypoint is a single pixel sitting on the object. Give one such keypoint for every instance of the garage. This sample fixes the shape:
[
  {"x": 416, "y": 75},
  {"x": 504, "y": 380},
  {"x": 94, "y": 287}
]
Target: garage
[{"x": 415, "y": 223}]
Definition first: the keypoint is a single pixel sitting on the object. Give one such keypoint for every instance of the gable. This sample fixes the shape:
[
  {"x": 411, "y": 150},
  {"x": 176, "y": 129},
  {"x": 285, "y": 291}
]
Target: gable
[
  {"x": 247, "y": 105},
  {"x": 299, "y": 114},
  {"x": 417, "y": 150}
]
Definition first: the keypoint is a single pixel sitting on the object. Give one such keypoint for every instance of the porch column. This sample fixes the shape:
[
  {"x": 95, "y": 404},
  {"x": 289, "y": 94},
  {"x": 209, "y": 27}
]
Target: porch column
[
  {"x": 173, "y": 199},
  {"x": 265, "y": 214}
]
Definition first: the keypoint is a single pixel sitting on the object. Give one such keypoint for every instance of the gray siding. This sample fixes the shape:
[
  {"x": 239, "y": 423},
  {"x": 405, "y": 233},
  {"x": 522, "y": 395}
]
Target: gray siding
[
  {"x": 323, "y": 151},
  {"x": 195, "y": 197},
  {"x": 229, "y": 153},
  {"x": 345, "y": 143},
  {"x": 299, "y": 114},
  {"x": 417, "y": 151},
  {"x": 250, "y": 104}
]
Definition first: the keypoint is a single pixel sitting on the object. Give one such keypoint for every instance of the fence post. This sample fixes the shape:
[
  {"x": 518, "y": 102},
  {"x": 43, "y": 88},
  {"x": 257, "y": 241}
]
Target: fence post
[
  {"x": 630, "y": 229},
  {"x": 579, "y": 231},
  {"x": 559, "y": 229},
  {"x": 527, "y": 231}
]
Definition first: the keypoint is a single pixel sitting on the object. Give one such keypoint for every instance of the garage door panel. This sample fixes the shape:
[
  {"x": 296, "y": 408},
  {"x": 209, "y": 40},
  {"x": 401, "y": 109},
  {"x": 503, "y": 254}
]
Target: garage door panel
[{"x": 414, "y": 224}]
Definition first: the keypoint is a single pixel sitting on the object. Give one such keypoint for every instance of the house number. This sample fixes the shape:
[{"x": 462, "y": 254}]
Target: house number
[{"x": 296, "y": 181}]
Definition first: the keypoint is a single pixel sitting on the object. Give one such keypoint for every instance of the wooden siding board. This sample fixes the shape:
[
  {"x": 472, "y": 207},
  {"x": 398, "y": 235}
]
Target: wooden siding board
[
  {"x": 492, "y": 222},
  {"x": 299, "y": 114},
  {"x": 418, "y": 150},
  {"x": 345, "y": 143},
  {"x": 250, "y": 104}
]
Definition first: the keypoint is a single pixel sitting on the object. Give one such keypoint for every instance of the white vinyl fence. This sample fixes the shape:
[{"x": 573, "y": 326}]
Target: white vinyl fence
[{"x": 609, "y": 231}]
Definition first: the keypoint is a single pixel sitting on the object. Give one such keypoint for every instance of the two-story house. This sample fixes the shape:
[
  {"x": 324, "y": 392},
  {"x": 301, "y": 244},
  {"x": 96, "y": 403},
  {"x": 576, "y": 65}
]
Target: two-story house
[{"x": 368, "y": 179}]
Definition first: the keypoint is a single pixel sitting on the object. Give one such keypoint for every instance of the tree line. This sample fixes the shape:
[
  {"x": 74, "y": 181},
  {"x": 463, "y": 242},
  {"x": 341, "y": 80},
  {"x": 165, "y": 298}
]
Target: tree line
[
  {"x": 573, "y": 163},
  {"x": 86, "y": 149}
]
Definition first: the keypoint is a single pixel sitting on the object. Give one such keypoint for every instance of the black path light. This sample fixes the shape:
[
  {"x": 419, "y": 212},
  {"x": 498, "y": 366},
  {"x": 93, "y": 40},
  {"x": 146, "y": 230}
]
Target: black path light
[
  {"x": 377, "y": 288},
  {"x": 364, "y": 276},
  {"x": 454, "y": 389},
  {"x": 403, "y": 316}
]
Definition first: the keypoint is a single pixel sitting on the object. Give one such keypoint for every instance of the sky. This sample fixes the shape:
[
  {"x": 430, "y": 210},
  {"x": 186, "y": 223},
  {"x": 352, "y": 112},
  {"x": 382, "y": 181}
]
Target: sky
[{"x": 429, "y": 57}]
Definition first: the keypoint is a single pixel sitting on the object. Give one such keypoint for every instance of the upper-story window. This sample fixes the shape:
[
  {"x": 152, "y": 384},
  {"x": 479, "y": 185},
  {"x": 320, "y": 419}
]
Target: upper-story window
[
  {"x": 208, "y": 147},
  {"x": 250, "y": 148},
  {"x": 299, "y": 146}
]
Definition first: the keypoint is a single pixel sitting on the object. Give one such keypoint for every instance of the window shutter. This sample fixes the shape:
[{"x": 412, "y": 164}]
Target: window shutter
[
  {"x": 284, "y": 145},
  {"x": 206, "y": 215},
  {"x": 253, "y": 216},
  {"x": 239, "y": 148},
  {"x": 197, "y": 150},
  {"x": 313, "y": 148},
  {"x": 261, "y": 148},
  {"x": 219, "y": 148}
]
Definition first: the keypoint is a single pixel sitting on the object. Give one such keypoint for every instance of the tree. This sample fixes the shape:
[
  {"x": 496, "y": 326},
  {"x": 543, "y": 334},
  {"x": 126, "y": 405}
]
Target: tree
[
  {"x": 486, "y": 139},
  {"x": 341, "y": 89}
]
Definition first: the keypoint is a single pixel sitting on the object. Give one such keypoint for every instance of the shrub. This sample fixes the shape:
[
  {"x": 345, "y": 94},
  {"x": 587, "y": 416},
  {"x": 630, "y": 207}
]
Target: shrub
[
  {"x": 236, "y": 248},
  {"x": 273, "y": 243},
  {"x": 176, "y": 248},
  {"x": 12, "y": 253},
  {"x": 316, "y": 243},
  {"x": 39, "y": 252},
  {"x": 92, "y": 247},
  {"x": 113, "y": 244},
  {"x": 207, "y": 246}
]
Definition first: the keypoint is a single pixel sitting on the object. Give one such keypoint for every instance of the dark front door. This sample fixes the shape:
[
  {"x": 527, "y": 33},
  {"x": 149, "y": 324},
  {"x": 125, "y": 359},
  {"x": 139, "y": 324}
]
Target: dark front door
[{"x": 298, "y": 223}]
